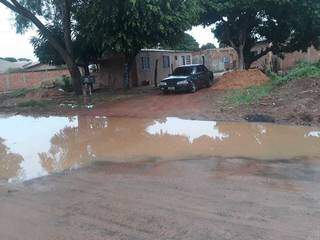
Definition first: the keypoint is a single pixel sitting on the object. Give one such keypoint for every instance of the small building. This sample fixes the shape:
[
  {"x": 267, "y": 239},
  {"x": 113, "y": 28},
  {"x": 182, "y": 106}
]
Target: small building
[
  {"x": 35, "y": 67},
  {"x": 149, "y": 68},
  {"x": 153, "y": 65},
  {"x": 217, "y": 60}
]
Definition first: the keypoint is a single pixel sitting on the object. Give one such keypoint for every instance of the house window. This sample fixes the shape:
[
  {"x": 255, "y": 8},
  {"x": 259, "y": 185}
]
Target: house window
[
  {"x": 166, "y": 61},
  {"x": 145, "y": 62},
  {"x": 183, "y": 58},
  {"x": 203, "y": 60},
  {"x": 188, "y": 59}
]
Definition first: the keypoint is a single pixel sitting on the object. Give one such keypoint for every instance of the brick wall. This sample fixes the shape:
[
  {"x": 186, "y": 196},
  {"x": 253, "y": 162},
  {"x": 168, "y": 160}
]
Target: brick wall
[{"x": 15, "y": 81}]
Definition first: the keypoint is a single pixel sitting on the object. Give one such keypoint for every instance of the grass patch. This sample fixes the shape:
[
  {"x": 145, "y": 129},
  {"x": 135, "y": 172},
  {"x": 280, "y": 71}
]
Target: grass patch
[
  {"x": 34, "y": 104},
  {"x": 249, "y": 95},
  {"x": 255, "y": 93}
]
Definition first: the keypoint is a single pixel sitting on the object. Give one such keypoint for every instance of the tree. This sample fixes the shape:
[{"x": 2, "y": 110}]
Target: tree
[
  {"x": 52, "y": 13},
  {"x": 9, "y": 59},
  {"x": 85, "y": 52},
  {"x": 187, "y": 43},
  {"x": 127, "y": 26},
  {"x": 208, "y": 46},
  {"x": 45, "y": 52},
  {"x": 285, "y": 26}
]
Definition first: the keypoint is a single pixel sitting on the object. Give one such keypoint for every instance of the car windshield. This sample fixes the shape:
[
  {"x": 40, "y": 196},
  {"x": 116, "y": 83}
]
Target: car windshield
[{"x": 183, "y": 71}]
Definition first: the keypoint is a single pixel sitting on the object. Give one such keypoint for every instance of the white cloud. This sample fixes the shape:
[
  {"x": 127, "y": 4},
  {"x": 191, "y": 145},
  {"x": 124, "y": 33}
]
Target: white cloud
[{"x": 203, "y": 35}]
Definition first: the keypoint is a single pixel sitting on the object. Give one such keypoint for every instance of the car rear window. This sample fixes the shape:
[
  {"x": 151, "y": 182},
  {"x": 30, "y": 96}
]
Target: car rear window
[{"x": 181, "y": 71}]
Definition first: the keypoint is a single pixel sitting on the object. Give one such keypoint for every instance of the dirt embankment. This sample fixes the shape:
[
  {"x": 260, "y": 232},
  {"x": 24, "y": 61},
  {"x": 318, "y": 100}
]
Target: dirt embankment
[{"x": 298, "y": 102}]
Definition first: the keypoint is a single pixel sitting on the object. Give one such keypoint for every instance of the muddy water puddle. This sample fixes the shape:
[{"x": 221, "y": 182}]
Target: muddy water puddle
[{"x": 34, "y": 147}]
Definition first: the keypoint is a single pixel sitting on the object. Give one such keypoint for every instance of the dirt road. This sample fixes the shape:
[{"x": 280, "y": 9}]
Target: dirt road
[
  {"x": 295, "y": 103},
  {"x": 187, "y": 199}
]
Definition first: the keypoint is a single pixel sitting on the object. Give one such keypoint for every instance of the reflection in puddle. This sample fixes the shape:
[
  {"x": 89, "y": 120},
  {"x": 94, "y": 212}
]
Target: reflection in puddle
[
  {"x": 189, "y": 129},
  {"x": 313, "y": 134},
  {"x": 34, "y": 147},
  {"x": 28, "y": 138}
]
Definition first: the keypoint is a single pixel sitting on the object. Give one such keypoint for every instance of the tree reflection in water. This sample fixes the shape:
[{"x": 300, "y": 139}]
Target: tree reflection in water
[
  {"x": 71, "y": 147},
  {"x": 9, "y": 162}
]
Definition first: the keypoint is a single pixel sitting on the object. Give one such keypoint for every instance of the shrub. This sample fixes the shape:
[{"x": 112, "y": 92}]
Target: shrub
[{"x": 64, "y": 83}]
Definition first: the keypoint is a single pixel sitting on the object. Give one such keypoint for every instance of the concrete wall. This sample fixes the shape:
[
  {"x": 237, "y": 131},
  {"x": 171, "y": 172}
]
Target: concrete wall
[
  {"x": 290, "y": 60},
  {"x": 274, "y": 63},
  {"x": 15, "y": 81},
  {"x": 217, "y": 60}
]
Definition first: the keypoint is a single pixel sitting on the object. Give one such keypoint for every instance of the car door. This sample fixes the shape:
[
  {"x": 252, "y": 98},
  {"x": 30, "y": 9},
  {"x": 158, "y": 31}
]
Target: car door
[
  {"x": 197, "y": 77},
  {"x": 206, "y": 76},
  {"x": 201, "y": 74}
]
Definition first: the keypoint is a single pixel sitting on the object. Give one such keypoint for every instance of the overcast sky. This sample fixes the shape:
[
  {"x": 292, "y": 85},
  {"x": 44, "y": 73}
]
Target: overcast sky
[{"x": 18, "y": 46}]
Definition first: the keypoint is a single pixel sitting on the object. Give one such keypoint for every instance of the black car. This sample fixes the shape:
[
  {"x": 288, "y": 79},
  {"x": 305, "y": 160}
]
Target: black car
[{"x": 188, "y": 78}]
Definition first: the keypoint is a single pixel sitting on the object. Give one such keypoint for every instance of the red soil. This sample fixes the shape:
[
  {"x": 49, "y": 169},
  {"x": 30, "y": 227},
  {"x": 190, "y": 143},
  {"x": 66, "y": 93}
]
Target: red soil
[{"x": 241, "y": 79}]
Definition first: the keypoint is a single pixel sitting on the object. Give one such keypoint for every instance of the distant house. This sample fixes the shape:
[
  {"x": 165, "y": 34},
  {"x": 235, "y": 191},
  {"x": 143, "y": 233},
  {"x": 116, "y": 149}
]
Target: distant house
[
  {"x": 149, "y": 68},
  {"x": 153, "y": 65},
  {"x": 6, "y": 66},
  {"x": 35, "y": 67},
  {"x": 218, "y": 59}
]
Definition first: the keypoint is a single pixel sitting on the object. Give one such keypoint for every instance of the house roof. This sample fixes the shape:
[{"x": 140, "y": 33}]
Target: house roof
[
  {"x": 6, "y": 65},
  {"x": 163, "y": 50}
]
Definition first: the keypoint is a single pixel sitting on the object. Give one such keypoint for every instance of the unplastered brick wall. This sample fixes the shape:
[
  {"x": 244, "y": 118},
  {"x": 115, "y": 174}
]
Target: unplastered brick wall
[{"x": 28, "y": 80}]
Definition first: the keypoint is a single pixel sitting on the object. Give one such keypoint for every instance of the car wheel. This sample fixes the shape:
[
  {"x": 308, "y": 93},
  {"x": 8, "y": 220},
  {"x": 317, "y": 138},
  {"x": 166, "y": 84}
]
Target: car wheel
[{"x": 210, "y": 82}]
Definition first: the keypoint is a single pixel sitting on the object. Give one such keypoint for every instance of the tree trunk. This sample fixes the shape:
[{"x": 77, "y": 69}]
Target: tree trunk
[
  {"x": 126, "y": 76},
  {"x": 86, "y": 69},
  {"x": 75, "y": 78},
  {"x": 156, "y": 73},
  {"x": 241, "y": 58}
]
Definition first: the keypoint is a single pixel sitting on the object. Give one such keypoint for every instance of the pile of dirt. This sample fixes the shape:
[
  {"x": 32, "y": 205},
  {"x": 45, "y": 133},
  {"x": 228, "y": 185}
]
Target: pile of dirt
[{"x": 241, "y": 79}]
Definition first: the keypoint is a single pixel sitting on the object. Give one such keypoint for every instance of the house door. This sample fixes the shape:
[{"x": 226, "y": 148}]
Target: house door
[{"x": 183, "y": 58}]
